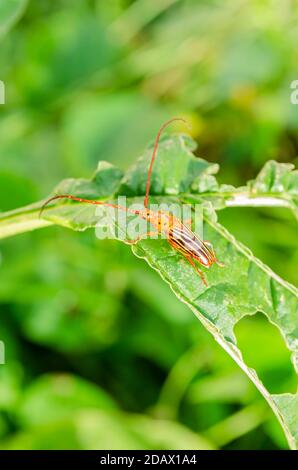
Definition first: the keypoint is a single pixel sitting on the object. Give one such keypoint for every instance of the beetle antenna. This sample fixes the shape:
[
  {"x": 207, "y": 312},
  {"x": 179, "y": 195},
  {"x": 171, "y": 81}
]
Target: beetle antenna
[
  {"x": 154, "y": 155},
  {"x": 88, "y": 201}
]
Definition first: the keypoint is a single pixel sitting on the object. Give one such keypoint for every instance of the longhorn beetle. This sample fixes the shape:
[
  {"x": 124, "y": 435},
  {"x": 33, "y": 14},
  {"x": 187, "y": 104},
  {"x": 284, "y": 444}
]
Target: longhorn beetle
[{"x": 179, "y": 236}]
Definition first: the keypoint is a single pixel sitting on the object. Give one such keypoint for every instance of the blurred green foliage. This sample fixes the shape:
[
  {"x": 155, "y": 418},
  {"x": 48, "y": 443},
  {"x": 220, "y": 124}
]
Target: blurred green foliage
[{"x": 99, "y": 353}]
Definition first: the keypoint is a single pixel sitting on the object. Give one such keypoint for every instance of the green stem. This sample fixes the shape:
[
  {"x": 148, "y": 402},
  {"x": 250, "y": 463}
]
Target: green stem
[{"x": 21, "y": 220}]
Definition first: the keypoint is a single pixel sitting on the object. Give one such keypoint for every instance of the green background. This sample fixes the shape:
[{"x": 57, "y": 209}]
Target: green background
[{"x": 99, "y": 353}]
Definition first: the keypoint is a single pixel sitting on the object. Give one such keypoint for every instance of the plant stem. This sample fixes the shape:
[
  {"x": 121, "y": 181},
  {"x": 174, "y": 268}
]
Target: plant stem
[
  {"x": 21, "y": 220},
  {"x": 247, "y": 200},
  {"x": 244, "y": 199}
]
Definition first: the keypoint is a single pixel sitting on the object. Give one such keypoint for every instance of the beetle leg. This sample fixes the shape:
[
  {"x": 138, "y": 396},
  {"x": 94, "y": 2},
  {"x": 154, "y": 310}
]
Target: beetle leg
[
  {"x": 219, "y": 263},
  {"x": 141, "y": 237},
  {"x": 191, "y": 261},
  {"x": 189, "y": 258}
]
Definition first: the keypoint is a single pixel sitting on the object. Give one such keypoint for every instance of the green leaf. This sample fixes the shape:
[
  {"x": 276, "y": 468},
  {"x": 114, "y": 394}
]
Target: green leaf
[
  {"x": 279, "y": 180},
  {"x": 244, "y": 287},
  {"x": 105, "y": 182},
  {"x": 175, "y": 170},
  {"x": 275, "y": 186},
  {"x": 10, "y": 12}
]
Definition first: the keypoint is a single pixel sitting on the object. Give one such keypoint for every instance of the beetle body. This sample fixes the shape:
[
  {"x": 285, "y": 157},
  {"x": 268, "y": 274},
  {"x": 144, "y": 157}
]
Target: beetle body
[{"x": 181, "y": 238}]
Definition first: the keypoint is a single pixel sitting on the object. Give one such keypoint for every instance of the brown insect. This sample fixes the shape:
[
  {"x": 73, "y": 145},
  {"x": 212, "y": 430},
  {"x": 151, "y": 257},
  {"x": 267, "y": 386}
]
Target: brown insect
[{"x": 179, "y": 236}]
